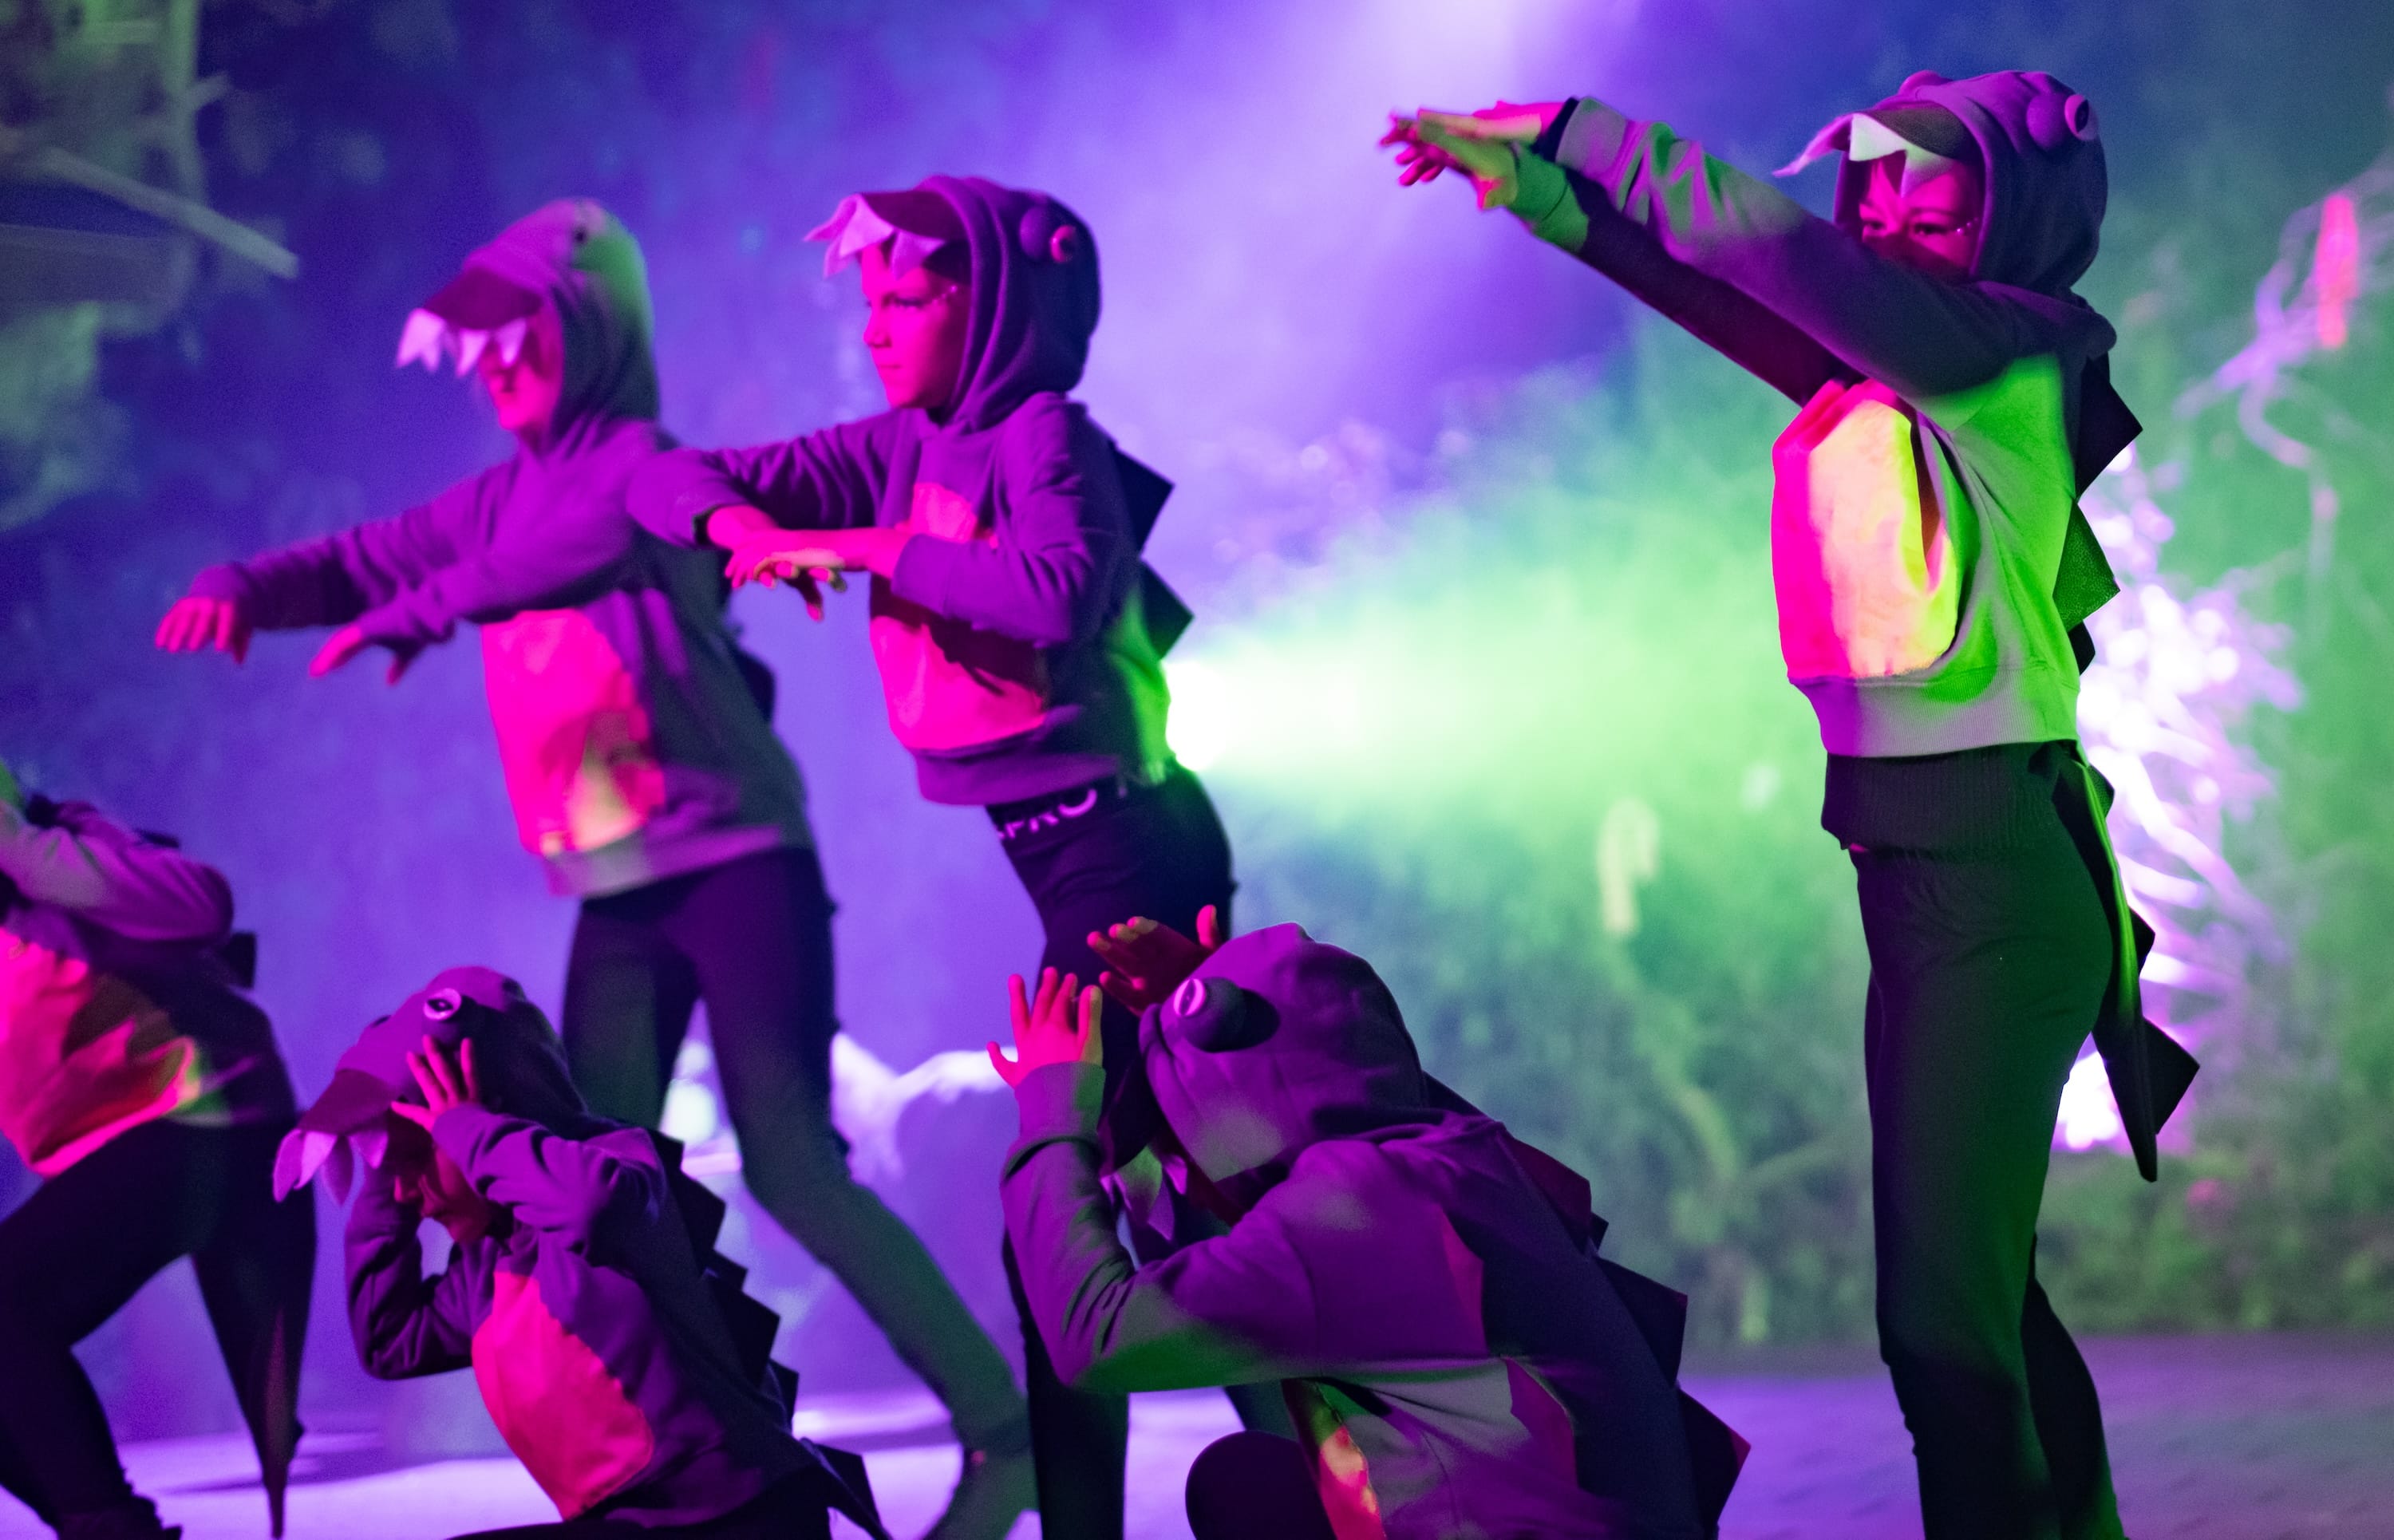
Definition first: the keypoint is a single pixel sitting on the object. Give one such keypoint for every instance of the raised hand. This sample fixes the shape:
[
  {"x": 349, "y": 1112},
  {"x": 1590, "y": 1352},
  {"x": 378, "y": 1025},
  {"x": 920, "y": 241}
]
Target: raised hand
[
  {"x": 445, "y": 1080},
  {"x": 1147, "y": 960},
  {"x": 1058, "y": 1027},
  {"x": 1482, "y": 145},
  {"x": 196, "y": 624}
]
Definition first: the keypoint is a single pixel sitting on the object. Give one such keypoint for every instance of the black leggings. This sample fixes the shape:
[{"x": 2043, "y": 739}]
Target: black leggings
[
  {"x": 84, "y": 1243},
  {"x": 1986, "y": 971},
  {"x": 1155, "y": 851},
  {"x": 752, "y": 938}
]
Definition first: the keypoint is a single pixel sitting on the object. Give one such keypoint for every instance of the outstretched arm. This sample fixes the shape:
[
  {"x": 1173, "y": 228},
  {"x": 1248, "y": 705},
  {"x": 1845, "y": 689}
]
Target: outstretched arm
[
  {"x": 1049, "y": 578},
  {"x": 341, "y": 579},
  {"x": 1924, "y": 335},
  {"x": 338, "y": 577},
  {"x": 830, "y": 479},
  {"x": 115, "y": 878}
]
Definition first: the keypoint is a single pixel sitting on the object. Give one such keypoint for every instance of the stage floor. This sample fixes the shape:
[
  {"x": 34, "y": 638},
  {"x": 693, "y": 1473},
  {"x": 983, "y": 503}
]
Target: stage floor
[{"x": 2231, "y": 1438}]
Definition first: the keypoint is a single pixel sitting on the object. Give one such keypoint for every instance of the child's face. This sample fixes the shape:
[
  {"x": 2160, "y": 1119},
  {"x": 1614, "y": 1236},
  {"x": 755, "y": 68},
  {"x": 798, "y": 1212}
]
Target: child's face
[
  {"x": 1933, "y": 228},
  {"x": 524, "y": 393},
  {"x": 429, "y": 1180},
  {"x": 915, "y": 332}
]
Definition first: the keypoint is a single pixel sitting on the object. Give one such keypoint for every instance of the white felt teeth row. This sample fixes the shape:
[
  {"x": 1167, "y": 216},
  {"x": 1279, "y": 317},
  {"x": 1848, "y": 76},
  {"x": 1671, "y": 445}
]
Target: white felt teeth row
[
  {"x": 305, "y": 1151},
  {"x": 1864, "y": 138},
  {"x": 425, "y": 336}
]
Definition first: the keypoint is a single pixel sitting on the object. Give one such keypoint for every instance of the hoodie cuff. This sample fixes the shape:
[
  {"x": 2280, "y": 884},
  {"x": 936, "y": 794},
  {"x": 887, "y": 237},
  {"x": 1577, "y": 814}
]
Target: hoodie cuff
[
  {"x": 401, "y": 625},
  {"x": 923, "y": 569},
  {"x": 466, "y": 1131},
  {"x": 1059, "y": 1102},
  {"x": 1544, "y": 200},
  {"x": 226, "y": 580},
  {"x": 1587, "y": 136}
]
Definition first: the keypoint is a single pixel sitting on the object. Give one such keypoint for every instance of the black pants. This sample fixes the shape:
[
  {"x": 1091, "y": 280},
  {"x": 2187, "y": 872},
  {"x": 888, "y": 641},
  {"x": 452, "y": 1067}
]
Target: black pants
[
  {"x": 752, "y": 938},
  {"x": 81, "y": 1246},
  {"x": 784, "y": 1512},
  {"x": 1155, "y": 851},
  {"x": 1986, "y": 967}
]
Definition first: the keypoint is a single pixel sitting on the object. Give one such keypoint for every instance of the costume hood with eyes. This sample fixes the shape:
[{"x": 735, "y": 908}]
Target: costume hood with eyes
[
  {"x": 1020, "y": 638},
  {"x": 627, "y": 723},
  {"x": 611, "y": 1343},
  {"x": 1457, "y": 1356}
]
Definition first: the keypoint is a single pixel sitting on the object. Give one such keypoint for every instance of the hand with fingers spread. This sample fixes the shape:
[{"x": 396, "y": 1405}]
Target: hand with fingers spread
[
  {"x": 346, "y": 643},
  {"x": 1147, "y": 960},
  {"x": 446, "y": 1081},
  {"x": 804, "y": 557},
  {"x": 736, "y": 525},
  {"x": 1058, "y": 1027},
  {"x": 1482, "y": 145},
  {"x": 197, "y": 623}
]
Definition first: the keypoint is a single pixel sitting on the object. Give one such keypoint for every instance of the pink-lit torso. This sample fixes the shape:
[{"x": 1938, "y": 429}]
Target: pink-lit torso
[{"x": 1861, "y": 554}]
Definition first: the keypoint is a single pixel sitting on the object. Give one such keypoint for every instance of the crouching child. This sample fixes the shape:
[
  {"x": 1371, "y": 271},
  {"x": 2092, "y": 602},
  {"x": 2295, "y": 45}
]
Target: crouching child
[
  {"x": 1424, "y": 1287},
  {"x": 611, "y": 1345}
]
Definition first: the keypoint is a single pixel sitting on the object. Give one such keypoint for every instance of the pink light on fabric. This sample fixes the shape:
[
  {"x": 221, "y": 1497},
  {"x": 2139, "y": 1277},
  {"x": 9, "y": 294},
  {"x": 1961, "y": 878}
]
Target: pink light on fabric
[
  {"x": 1862, "y": 560},
  {"x": 575, "y": 742},
  {"x": 83, "y": 1057},
  {"x": 2336, "y": 267},
  {"x": 949, "y": 685},
  {"x": 563, "y": 1414}
]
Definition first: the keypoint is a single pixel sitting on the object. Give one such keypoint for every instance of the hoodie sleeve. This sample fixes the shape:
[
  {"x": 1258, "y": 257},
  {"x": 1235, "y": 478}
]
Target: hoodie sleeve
[
  {"x": 1049, "y": 577},
  {"x": 1925, "y": 336},
  {"x": 830, "y": 479},
  {"x": 581, "y": 549},
  {"x": 339, "y": 578},
  {"x": 110, "y": 877},
  {"x": 406, "y": 1324},
  {"x": 1560, "y": 206},
  {"x": 1298, "y": 1287},
  {"x": 570, "y": 1188}
]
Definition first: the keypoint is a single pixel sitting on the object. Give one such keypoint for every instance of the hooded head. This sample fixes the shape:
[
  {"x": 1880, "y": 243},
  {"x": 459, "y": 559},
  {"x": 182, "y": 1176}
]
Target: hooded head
[
  {"x": 1031, "y": 270},
  {"x": 1276, "y": 1043},
  {"x": 2038, "y": 150},
  {"x": 571, "y": 273},
  {"x": 517, "y": 1056}
]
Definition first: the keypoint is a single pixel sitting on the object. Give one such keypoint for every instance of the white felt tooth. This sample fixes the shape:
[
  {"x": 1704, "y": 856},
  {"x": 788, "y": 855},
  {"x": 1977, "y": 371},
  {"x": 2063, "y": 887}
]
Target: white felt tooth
[
  {"x": 314, "y": 1147},
  {"x": 370, "y": 1146},
  {"x": 508, "y": 340},
  {"x": 829, "y": 230},
  {"x": 1828, "y": 141},
  {"x": 910, "y": 251},
  {"x": 1923, "y": 165},
  {"x": 852, "y": 228},
  {"x": 1869, "y": 139},
  {"x": 287, "y": 1155},
  {"x": 338, "y": 1169},
  {"x": 419, "y": 340},
  {"x": 470, "y": 350}
]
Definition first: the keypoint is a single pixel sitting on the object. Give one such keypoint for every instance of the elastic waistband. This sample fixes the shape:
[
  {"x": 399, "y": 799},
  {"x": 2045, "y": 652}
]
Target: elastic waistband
[
  {"x": 1982, "y": 799},
  {"x": 1015, "y": 821}
]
